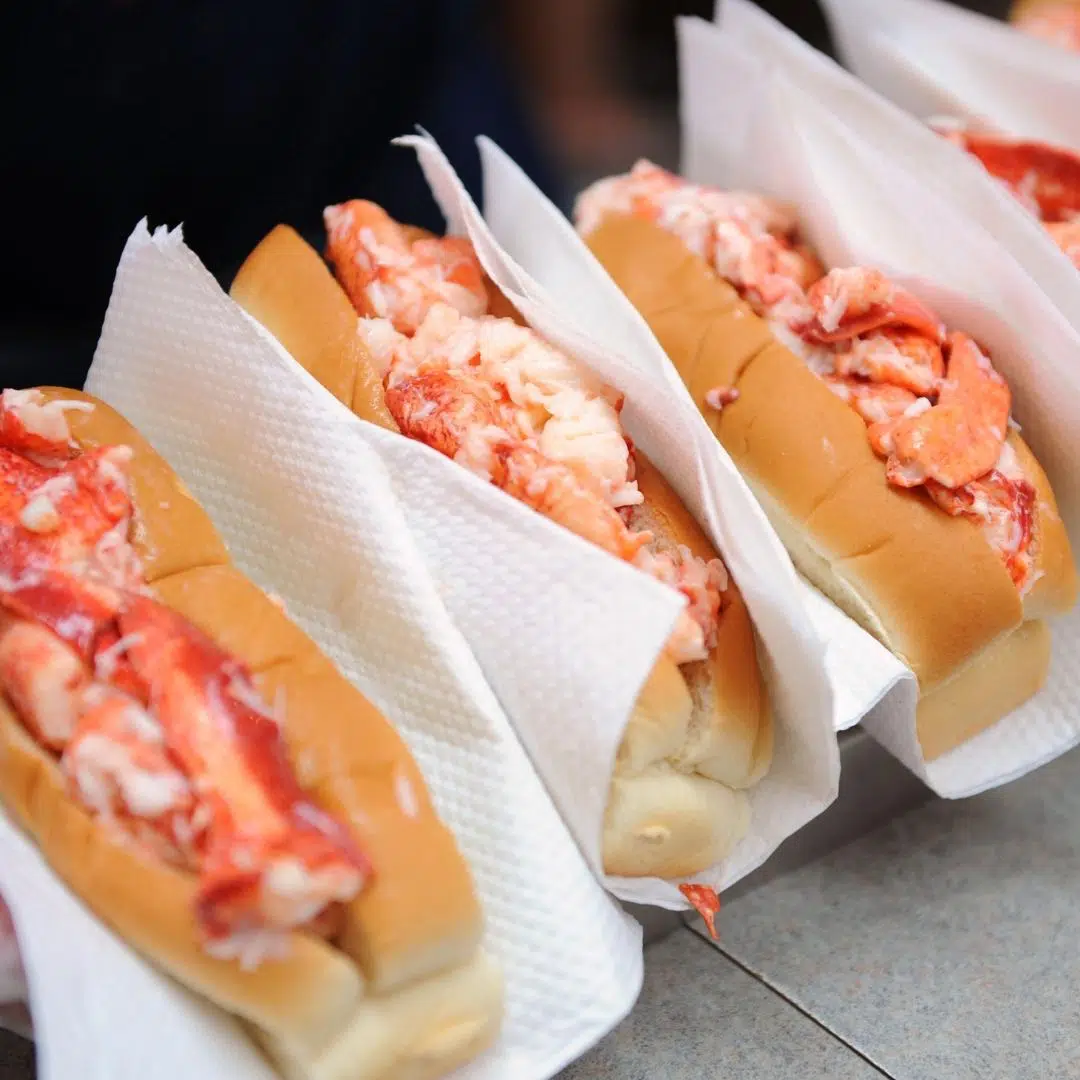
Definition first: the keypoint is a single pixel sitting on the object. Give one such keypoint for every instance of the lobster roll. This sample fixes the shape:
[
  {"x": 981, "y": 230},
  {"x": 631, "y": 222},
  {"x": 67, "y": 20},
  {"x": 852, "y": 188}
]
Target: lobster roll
[
  {"x": 206, "y": 781},
  {"x": 879, "y": 441},
  {"x": 1044, "y": 179},
  {"x": 410, "y": 334}
]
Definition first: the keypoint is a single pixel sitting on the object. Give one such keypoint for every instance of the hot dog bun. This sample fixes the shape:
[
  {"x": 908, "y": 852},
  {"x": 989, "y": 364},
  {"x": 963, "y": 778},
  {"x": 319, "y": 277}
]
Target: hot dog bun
[
  {"x": 699, "y": 734},
  {"x": 927, "y": 585},
  {"x": 405, "y": 990}
]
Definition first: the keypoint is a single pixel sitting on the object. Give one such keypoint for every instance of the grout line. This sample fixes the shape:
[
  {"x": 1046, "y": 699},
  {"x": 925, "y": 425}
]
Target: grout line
[{"x": 777, "y": 992}]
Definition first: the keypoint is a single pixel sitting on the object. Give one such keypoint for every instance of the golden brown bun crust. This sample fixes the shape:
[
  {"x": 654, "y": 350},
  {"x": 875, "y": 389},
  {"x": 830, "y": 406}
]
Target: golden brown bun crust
[
  {"x": 1000, "y": 679},
  {"x": 927, "y": 585},
  {"x": 172, "y": 531},
  {"x": 395, "y": 930},
  {"x": 345, "y": 754},
  {"x": 693, "y": 730},
  {"x": 285, "y": 285}
]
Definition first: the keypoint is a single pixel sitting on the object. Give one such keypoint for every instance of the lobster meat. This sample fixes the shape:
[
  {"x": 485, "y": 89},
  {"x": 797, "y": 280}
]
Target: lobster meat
[{"x": 160, "y": 733}]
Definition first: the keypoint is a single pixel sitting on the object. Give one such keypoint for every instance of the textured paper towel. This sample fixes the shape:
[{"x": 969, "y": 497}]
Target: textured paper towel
[
  {"x": 745, "y": 124},
  {"x": 915, "y": 52},
  {"x": 523, "y": 228},
  {"x": 931, "y": 57},
  {"x": 340, "y": 519},
  {"x": 99, "y": 1011}
]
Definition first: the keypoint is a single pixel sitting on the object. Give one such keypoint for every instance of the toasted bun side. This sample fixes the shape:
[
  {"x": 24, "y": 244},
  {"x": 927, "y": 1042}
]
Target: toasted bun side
[
  {"x": 732, "y": 740},
  {"x": 667, "y": 824},
  {"x": 343, "y": 750},
  {"x": 939, "y": 590},
  {"x": 927, "y": 585},
  {"x": 306, "y": 996},
  {"x": 367, "y": 778},
  {"x": 729, "y": 738},
  {"x": 999, "y": 680},
  {"x": 1055, "y": 581},
  {"x": 659, "y": 724},
  {"x": 171, "y": 530},
  {"x": 285, "y": 285},
  {"x": 236, "y": 613},
  {"x": 418, "y": 1033},
  {"x": 419, "y": 914}
]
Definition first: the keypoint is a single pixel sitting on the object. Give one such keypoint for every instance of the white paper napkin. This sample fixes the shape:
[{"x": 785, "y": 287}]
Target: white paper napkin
[
  {"x": 933, "y": 57},
  {"x": 360, "y": 532},
  {"x": 563, "y": 291},
  {"x": 919, "y": 54},
  {"x": 745, "y": 124},
  {"x": 99, "y": 1010}
]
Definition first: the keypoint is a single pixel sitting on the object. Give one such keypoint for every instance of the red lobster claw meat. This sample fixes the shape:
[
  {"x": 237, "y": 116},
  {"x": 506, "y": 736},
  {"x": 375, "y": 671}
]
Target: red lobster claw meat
[
  {"x": 1044, "y": 179},
  {"x": 706, "y": 902},
  {"x": 854, "y": 301},
  {"x": 273, "y": 858},
  {"x": 958, "y": 440},
  {"x": 31, "y": 425},
  {"x": 119, "y": 764},
  {"x": 1047, "y": 175},
  {"x": 161, "y": 734}
]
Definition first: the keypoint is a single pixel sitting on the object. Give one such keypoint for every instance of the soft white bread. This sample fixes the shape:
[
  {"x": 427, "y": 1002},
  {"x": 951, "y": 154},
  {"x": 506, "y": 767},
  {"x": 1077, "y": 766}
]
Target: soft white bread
[
  {"x": 669, "y": 824},
  {"x": 697, "y": 734},
  {"x": 418, "y": 1033},
  {"x": 927, "y": 585},
  {"x": 729, "y": 735},
  {"x": 395, "y": 946}
]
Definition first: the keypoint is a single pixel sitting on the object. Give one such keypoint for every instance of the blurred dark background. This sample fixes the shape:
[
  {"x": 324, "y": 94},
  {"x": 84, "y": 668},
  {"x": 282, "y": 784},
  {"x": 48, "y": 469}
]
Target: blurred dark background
[{"x": 230, "y": 117}]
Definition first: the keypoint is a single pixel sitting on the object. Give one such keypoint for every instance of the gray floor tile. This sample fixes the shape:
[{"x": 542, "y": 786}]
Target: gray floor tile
[
  {"x": 700, "y": 1016},
  {"x": 16, "y": 1057},
  {"x": 944, "y": 945}
]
